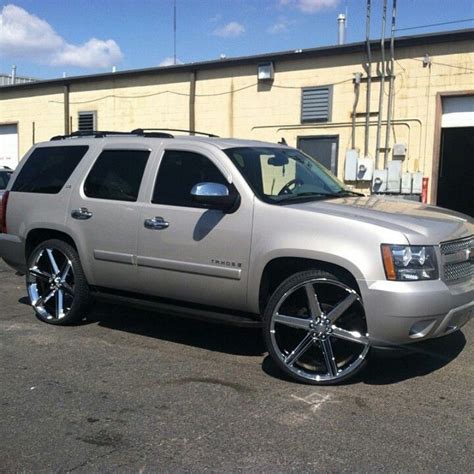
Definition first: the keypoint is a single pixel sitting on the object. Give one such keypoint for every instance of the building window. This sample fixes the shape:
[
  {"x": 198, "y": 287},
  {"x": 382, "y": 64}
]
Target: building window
[
  {"x": 87, "y": 121},
  {"x": 316, "y": 104}
]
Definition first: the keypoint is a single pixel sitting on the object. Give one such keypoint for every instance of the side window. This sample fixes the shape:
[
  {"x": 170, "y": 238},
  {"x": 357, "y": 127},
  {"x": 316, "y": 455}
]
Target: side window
[
  {"x": 48, "y": 169},
  {"x": 117, "y": 175},
  {"x": 179, "y": 171}
]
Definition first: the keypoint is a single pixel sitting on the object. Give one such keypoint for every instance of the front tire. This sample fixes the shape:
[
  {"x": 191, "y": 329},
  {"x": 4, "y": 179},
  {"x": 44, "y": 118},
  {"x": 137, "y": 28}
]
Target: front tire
[
  {"x": 56, "y": 284},
  {"x": 315, "y": 328}
]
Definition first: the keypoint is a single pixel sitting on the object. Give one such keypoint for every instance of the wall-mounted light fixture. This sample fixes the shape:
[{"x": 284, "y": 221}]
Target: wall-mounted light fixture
[{"x": 265, "y": 72}]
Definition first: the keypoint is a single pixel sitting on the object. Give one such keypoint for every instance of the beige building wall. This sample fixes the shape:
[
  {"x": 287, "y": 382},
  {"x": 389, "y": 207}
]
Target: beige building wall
[{"x": 230, "y": 102}]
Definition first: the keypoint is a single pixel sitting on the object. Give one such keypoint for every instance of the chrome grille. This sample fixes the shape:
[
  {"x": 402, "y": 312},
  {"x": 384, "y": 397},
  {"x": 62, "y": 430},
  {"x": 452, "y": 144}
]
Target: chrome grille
[
  {"x": 454, "y": 246},
  {"x": 457, "y": 270}
]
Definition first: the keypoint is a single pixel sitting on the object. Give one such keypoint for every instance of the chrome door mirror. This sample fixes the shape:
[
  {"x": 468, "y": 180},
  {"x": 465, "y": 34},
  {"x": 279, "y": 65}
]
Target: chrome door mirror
[{"x": 214, "y": 196}]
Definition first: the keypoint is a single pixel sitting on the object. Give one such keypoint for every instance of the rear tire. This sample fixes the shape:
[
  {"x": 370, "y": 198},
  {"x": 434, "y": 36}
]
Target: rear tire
[
  {"x": 315, "y": 328},
  {"x": 56, "y": 284}
]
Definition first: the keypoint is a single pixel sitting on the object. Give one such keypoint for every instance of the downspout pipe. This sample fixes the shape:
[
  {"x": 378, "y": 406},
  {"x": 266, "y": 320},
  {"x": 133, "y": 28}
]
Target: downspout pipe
[
  {"x": 369, "y": 80},
  {"x": 192, "y": 102},
  {"x": 66, "y": 91},
  {"x": 390, "y": 84},
  {"x": 382, "y": 85},
  {"x": 357, "y": 79}
]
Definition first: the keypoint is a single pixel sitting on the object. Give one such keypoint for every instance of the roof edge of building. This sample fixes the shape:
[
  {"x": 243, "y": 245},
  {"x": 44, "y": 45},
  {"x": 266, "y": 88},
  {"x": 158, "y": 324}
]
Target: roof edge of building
[{"x": 403, "y": 41}]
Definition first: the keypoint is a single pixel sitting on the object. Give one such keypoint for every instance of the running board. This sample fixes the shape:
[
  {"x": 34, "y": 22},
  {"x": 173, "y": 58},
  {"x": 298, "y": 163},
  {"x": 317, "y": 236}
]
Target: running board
[{"x": 210, "y": 315}]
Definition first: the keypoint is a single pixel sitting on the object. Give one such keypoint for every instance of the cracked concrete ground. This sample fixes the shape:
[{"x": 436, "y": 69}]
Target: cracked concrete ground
[{"x": 136, "y": 391}]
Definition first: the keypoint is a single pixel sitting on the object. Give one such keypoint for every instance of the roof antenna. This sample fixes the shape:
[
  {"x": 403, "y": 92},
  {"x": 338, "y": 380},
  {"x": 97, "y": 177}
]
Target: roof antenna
[
  {"x": 174, "y": 33},
  {"x": 283, "y": 141}
]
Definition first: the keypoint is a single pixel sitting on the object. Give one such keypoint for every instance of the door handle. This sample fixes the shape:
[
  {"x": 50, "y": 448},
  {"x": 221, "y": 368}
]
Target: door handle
[
  {"x": 81, "y": 214},
  {"x": 156, "y": 223}
]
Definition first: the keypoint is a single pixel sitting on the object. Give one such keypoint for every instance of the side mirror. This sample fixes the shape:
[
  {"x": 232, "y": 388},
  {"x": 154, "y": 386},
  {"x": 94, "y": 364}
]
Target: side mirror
[{"x": 214, "y": 196}]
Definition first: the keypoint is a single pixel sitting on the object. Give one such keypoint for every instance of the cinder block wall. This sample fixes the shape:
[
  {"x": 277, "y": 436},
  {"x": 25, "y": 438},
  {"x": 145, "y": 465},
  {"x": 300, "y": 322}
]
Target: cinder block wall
[{"x": 230, "y": 102}]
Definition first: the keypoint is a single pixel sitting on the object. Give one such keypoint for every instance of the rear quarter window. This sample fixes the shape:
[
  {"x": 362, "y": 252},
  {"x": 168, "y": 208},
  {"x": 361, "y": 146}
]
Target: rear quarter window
[{"x": 48, "y": 169}]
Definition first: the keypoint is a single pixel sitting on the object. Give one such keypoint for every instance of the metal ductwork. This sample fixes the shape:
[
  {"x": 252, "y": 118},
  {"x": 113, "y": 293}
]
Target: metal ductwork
[{"x": 341, "y": 33}]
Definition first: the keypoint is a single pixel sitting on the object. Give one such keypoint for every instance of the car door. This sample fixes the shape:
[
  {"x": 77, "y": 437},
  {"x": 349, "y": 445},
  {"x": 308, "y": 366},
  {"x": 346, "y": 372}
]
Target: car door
[
  {"x": 104, "y": 215},
  {"x": 197, "y": 255}
]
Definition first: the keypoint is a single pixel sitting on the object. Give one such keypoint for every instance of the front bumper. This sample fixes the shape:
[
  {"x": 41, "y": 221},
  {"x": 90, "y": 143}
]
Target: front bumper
[
  {"x": 400, "y": 313},
  {"x": 12, "y": 250}
]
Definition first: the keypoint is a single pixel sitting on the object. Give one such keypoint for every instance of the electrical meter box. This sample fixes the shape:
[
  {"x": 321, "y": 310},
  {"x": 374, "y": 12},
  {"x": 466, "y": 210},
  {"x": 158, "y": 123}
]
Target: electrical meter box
[
  {"x": 406, "y": 183},
  {"x": 394, "y": 176},
  {"x": 417, "y": 182},
  {"x": 350, "y": 168},
  {"x": 399, "y": 151},
  {"x": 379, "y": 183},
  {"x": 365, "y": 169}
]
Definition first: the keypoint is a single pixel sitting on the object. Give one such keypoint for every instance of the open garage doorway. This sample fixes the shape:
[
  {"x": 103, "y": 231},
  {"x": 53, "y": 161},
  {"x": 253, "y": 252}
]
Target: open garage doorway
[{"x": 455, "y": 170}]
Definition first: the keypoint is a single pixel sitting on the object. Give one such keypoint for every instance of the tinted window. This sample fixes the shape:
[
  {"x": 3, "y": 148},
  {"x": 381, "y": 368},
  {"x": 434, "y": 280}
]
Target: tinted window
[
  {"x": 117, "y": 175},
  {"x": 179, "y": 171},
  {"x": 4, "y": 178},
  {"x": 48, "y": 169}
]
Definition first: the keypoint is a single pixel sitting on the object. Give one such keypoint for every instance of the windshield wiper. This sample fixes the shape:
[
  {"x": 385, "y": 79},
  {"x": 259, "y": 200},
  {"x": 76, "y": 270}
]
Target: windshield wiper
[
  {"x": 309, "y": 195},
  {"x": 346, "y": 192}
]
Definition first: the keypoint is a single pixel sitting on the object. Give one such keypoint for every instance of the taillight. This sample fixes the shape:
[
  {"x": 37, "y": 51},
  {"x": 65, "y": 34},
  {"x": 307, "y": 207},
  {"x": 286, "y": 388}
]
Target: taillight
[{"x": 3, "y": 213}]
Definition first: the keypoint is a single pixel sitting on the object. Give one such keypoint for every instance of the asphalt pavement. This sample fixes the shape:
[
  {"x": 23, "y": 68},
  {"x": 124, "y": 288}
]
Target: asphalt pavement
[{"x": 133, "y": 391}]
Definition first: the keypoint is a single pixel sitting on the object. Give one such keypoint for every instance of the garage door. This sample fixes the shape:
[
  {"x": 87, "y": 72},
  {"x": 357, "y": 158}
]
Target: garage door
[{"x": 9, "y": 145}]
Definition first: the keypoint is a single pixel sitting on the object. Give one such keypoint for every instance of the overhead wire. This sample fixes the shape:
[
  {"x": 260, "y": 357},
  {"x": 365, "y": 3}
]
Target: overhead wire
[{"x": 184, "y": 94}]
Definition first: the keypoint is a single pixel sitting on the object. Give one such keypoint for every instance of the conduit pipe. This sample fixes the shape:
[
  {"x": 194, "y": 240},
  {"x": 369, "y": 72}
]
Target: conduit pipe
[
  {"x": 390, "y": 84},
  {"x": 382, "y": 85},
  {"x": 369, "y": 79}
]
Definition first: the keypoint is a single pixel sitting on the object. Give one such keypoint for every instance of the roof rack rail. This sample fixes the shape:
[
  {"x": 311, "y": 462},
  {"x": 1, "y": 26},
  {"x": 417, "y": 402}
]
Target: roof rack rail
[
  {"x": 144, "y": 132},
  {"x": 88, "y": 133}
]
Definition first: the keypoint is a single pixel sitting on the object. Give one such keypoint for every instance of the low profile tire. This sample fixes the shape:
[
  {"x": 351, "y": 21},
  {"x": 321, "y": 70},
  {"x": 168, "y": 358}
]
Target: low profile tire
[
  {"x": 56, "y": 284},
  {"x": 315, "y": 328}
]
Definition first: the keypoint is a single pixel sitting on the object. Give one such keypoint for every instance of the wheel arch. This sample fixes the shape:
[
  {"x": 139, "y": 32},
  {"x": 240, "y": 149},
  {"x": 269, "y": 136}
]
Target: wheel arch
[
  {"x": 280, "y": 268},
  {"x": 41, "y": 234}
]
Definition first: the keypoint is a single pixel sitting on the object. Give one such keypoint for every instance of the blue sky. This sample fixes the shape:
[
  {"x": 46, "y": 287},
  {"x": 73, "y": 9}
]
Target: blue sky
[{"x": 45, "y": 38}]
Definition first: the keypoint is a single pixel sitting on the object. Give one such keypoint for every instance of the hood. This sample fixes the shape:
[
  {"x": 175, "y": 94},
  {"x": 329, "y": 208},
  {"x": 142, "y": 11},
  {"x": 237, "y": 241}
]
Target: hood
[{"x": 421, "y": 224}]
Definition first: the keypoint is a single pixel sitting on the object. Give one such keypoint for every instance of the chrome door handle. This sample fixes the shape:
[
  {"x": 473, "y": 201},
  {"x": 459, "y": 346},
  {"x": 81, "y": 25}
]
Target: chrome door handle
[
  {"x": 81, "y": 214},
  {"x": 156, "y": 223}
]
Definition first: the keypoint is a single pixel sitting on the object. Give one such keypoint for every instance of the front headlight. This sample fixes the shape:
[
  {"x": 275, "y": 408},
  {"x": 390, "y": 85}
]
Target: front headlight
[{"x": 409, "y": 262}]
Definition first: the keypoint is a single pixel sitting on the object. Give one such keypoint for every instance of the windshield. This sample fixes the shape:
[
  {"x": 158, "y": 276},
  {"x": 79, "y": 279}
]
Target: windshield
[
  {"x": 4, "y": 178},
  {"x": 280, "y": 175}
]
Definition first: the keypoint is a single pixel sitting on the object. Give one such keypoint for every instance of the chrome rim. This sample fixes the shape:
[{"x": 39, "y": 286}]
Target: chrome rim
[
  {"x": 319, "y": 331},
  {"x": 50, "y": 283}
]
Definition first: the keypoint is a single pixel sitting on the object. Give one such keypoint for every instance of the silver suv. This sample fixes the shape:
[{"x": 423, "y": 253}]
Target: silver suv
[{"x": 245, "y": 232}]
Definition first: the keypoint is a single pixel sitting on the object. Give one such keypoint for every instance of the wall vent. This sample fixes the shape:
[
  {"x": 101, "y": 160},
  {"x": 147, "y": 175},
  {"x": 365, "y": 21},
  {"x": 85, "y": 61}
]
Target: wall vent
[{"x": 316, "y": 104}]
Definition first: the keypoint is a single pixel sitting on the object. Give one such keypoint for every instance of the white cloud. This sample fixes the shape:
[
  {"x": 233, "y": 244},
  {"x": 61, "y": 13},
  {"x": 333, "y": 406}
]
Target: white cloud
[
  {"x": 170, "y": 62},
  {"x": 27, "y": 36},
  {"x": 278, "y": 27},
  {"x": 231, "y": 30},
  {"x": 309, "y": 6},
  {"x": 281, "y": 25}
]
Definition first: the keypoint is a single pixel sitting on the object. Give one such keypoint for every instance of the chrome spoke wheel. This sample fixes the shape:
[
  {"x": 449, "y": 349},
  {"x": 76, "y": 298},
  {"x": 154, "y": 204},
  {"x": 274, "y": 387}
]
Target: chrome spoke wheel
[
  {"x": 50, "y": 283},
  {"x": 318, "y": 330}
]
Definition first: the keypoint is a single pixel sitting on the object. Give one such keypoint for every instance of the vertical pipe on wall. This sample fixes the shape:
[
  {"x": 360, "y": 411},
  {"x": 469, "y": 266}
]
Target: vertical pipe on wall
[
  {"x": 391, "y": 83},
  {"x": 192, "y": 100},
  {"x": 66, "y": 109},
  {"x": 369, "y": 79},
  {"x": 382, "y": 85},
  {"x": 357, "y": 78}
]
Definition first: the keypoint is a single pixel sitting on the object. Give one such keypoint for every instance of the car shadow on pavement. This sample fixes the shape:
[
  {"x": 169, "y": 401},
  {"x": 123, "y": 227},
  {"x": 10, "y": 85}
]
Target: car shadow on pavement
[
  {"x": 421, "y": 360},
  {"x": 181, "y": 330}
]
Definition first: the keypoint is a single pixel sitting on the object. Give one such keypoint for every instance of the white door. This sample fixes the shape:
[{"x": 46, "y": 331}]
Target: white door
[{"x": 9, "y": 145}]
